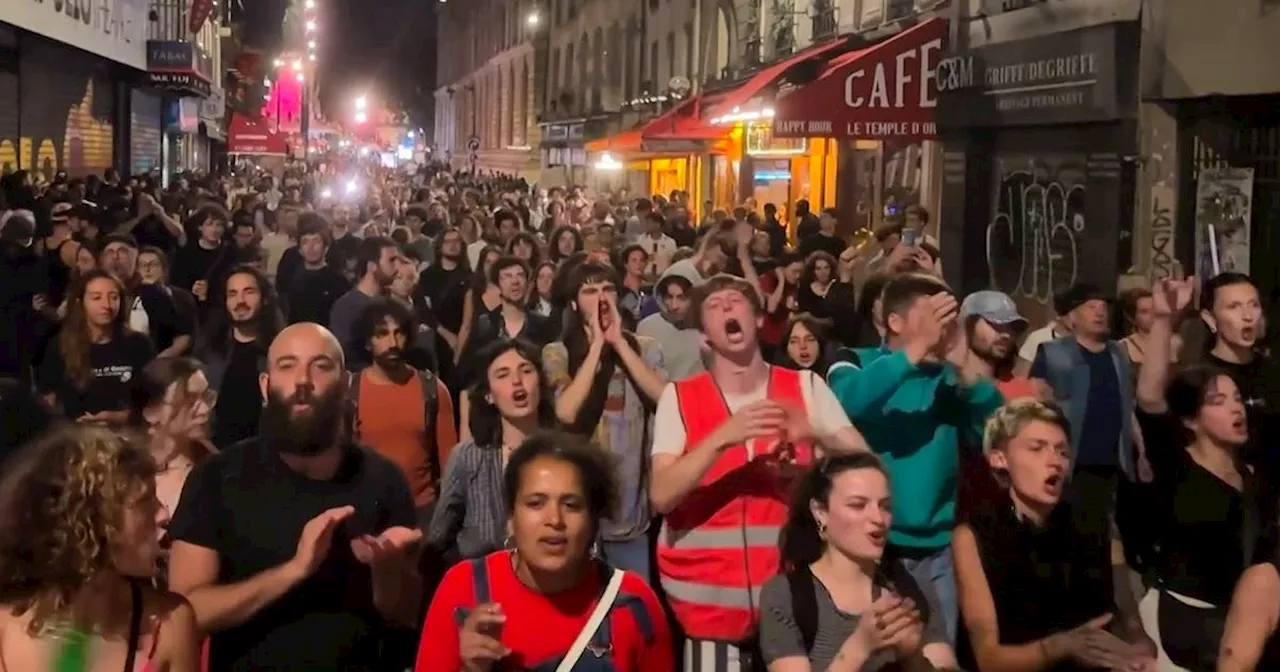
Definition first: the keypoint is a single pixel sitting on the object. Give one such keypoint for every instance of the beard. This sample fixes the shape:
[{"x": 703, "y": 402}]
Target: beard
[
  {"x": 306, "y": 432},
  {"x": 391, "y": 360}
]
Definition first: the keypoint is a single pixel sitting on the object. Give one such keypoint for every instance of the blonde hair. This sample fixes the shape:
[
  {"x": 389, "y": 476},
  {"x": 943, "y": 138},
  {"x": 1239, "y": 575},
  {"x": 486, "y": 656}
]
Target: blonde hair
[{"x": 1009, "y": 419}]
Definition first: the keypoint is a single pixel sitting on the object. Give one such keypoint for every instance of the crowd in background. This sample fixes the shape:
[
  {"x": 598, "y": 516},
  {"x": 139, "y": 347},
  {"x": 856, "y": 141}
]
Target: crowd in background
[{"x": 348, "y": 418}]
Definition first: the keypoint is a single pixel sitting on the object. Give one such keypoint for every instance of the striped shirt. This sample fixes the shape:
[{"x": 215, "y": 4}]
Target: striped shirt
[{"x": 470, "y": 514}]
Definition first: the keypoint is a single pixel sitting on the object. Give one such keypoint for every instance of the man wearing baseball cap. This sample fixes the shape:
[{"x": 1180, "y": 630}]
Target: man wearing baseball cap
[{"x": 993, "y": 326}]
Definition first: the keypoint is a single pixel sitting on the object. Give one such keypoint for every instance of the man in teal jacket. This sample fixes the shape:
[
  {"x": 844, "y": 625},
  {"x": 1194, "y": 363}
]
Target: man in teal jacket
[{"x": 914, "y": 398}]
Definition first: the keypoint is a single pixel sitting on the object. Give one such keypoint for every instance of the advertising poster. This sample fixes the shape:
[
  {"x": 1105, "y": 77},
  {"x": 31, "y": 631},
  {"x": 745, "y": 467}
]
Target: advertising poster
[{"x": 1224, "y": 209}]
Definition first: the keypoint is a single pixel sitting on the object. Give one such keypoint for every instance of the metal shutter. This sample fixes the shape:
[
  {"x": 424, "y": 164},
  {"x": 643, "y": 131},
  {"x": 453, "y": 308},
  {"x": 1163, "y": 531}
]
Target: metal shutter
[
  {"x": 67, "y": 106},
  {"x": 145, "y": 132},
  {"x": 8, "y": 121}
]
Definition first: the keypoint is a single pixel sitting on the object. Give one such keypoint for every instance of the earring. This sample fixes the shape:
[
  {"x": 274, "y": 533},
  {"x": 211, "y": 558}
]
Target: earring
[
  {"x": 509, "y": 543},
  {"x": 822, "y": 530}
]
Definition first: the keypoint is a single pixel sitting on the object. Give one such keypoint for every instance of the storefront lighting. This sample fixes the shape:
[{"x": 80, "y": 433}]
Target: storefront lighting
[
  {"x": 311, "y": 44},
  {"x": 737, "y": 115},
  {"x": 311, "y": 4},
  {"x": 278, "y": 63},
  {"x": 607, "y": 162},
  {"x": 297, "y": 65},
  {"x": 301, "y": 77},
  {"x": 312, "y": 57},
  {"x": 311, "y": 26}
]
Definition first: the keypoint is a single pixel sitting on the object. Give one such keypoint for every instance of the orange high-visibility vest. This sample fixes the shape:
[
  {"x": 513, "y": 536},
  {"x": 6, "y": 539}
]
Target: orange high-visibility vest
[{"x": 720, "y": 546}]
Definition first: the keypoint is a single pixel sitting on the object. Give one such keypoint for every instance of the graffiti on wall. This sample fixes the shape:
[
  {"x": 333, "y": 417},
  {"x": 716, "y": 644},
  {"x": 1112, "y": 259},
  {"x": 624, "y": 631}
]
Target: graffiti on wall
[
  {"x": 1033, "y": 237},
  {"x": 1164, "y": 261},
  {"x": 66, "y": 122}
]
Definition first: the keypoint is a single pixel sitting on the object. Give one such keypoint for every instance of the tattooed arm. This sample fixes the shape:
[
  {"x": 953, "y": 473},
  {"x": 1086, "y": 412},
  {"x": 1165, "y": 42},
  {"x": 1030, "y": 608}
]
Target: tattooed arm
[{"x": 1255, "y": 609}]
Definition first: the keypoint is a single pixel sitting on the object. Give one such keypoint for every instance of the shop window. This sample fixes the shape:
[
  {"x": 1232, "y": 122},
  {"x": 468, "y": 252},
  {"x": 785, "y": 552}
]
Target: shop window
[{"x": 761, "y": 142}]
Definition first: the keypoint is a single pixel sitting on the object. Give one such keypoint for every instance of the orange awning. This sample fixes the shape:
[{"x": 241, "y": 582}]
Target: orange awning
[
  {"x": 766, "y": 77},
  {"x": 626, "y": 141}
]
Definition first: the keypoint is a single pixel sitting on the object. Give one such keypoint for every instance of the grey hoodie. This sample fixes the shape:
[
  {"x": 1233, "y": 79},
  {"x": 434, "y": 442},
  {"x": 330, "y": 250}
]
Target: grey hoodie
[{"x": 681, "y": 346}]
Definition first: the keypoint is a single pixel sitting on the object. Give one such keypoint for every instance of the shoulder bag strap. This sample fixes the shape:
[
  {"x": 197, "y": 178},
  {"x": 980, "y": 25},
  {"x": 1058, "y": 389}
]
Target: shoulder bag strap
[
  {"x": 135, "y": 626},
  {"x": 593, "y": 623},
  {"x": 804, "y": 605}
]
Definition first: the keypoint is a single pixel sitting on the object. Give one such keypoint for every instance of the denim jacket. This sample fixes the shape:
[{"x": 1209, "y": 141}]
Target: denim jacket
[{"x": 1068, "y": 375}]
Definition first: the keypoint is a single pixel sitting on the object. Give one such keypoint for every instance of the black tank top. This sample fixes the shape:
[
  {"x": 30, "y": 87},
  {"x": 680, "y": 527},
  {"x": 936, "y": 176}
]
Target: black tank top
[{"x": 1043, "y": 579}]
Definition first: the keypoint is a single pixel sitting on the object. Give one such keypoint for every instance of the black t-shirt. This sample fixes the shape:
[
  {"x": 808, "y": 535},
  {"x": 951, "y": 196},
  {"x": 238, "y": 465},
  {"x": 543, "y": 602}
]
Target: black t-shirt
[
  {"x": 194, "y": 263},
  {"x": 444, "y": 292},
  {"x": 1259, "y": 383},
  {"x": 239, "y": 407},
  {"x": 313, "y": 293},
  {"x": 346, "y": 247},
  {"x": 822, "y": 243},
  {"x": 1196, "y": 521},
  {"x": 113, "y": 366},
  {"x": 250, "y": 507},
  {"x": 287, "y": 271}
]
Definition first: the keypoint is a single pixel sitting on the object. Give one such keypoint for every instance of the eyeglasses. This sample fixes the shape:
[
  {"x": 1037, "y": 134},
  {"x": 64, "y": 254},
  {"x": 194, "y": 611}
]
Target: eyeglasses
[{"x": 187, "y": 400}]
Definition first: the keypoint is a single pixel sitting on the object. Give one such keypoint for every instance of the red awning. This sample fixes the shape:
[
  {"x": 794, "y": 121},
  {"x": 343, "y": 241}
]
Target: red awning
[
  {"x": 768, "y": 76},
  {"x": 687, "y": 122},
  {"x": 247, "y": 136},
  {"x": 888, "y": 90}
]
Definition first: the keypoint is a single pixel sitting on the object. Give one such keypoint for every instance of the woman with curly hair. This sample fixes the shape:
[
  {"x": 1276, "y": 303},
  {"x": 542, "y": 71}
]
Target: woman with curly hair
[{"x": 78, "y": 535}]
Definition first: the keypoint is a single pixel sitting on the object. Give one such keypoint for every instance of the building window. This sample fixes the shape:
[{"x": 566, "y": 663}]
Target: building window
[
  {"x": 690, "y": 69},
  {"x": 671, "y": 59},
  {"x": 652, "y": 84}
]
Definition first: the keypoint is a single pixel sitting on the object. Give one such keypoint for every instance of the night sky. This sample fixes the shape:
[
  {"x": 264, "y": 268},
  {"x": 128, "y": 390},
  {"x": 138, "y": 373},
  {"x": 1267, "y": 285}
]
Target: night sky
[{"x": 389, "y": 52}]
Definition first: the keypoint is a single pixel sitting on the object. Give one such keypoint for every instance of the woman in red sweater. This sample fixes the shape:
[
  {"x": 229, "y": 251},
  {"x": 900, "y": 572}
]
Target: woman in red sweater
[{"x": 525, "y": 608}]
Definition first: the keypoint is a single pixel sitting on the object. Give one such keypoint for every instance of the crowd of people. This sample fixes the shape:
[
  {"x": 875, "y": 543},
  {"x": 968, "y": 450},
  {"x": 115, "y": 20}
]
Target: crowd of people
[{"x": 450, "y": 423}]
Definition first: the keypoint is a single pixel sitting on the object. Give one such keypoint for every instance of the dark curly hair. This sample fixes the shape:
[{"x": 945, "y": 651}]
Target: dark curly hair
[
  {"x": 63, "y": 499},
  {"x": 594, "y": 466}
]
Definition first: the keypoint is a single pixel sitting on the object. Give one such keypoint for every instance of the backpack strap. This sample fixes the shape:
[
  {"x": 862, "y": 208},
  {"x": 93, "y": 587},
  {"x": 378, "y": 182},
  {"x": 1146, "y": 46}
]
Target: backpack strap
[
  {"x": 479, "y": 589},
  {"x": 430, "y": 408},
  {"x": 804, "y": 604},
  {"x": 353, "y": 403}
]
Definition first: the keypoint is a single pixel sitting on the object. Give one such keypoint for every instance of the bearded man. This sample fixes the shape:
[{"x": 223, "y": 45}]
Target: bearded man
[{"x": 295, "y": 547}]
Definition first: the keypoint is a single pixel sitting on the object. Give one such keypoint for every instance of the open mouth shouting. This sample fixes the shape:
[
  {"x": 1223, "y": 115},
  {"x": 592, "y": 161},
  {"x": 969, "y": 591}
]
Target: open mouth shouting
[
  {"x": 733, "y": 331},
  {"x": 1053, "y": 484},
  {"x": 520, "y": 398}
]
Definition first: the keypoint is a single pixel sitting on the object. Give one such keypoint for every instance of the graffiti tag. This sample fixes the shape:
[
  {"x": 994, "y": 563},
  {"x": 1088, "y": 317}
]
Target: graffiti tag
[
  {"x": 1032, "y": 251},
  {"x": 1162, "y": 237}
]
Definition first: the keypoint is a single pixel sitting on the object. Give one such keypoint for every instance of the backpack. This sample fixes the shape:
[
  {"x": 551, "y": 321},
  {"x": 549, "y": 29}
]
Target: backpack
[{"x": 431, "y": 396}]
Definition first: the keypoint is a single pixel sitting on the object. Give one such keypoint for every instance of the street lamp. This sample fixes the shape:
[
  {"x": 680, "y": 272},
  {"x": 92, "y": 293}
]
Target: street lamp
[
  {"x": 297, "y": 65},
  {"x": 534, "y": 18},
  {"x": 278, "y": 63},
  {"x": 311, "y": 26},
  {"x": 311, "y": 44},
  {"x": 311, "y": 4},
  {"x": 361, "y": 117},
  {"x": 301, "y": 77}
]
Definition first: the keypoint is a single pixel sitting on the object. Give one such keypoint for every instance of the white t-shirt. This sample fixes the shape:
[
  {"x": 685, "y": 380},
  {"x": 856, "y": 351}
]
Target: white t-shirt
[
  {"x": 825, "y": 413},
  {"x": 1031, "y": 345},
  {"x": 659, "y": 251},
  {"x": 473, "y": 252}
]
